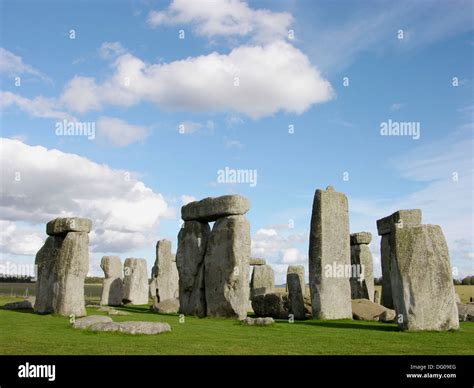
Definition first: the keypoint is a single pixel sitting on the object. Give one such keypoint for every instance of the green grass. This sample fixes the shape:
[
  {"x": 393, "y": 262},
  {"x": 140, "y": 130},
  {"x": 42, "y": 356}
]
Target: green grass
[{"x": 28, "y": 333}]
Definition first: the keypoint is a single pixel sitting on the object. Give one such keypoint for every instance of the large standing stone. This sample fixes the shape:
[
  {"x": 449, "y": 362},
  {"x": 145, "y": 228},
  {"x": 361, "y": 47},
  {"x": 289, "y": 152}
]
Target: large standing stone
[
  {"x": 296, "y": 287},
  {"x": 384, "y": 227},
  {"x": 262, "y": 281},
  {"x": 211, "y": 209},
  {"x": 62, "y": 265},
  {"x": 135, "y": 282},
  {"x": 164, "y": 274},
  {"x": 421, "y": 277},
  {"x": 112, "y": 291},
  {"x": 362, "y": 286},
  {"x": 226, "y": 268},
  {"x": 329, "y": 251},
  {"x": 192, "y": 243}
]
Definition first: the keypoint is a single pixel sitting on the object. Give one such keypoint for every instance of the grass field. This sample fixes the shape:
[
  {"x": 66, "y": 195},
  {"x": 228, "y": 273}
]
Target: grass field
[{"x": 27, "y": 333}]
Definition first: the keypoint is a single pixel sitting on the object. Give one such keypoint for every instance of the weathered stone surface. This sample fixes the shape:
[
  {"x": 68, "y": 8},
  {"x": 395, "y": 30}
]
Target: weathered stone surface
[
  {"x": 112, "y": 290},
  {"x": 211, "y": 209},
  {"x": 21, "y": 305},
  {"x": 71, "y": 270},
  {"x": 86, "y": 322},
  {"x": 365, "y": 310},
  {"x": 329, "y": 246},
  {"x": 61, "y": 226},
  {"x": 253, "y": 261},
  {"x": 295, "y": 287},
  {"x": 377, "y": 296},
  {"x": 386, "y": 295},
  {"x": 262, "y": 281},
  {"x": 465, "y": 312},
  {"x": 384, "y": 227},
  {"x": 165, "y": 280},
  {"x": 135, "y": 282},
  {"x": 167, "y": 306},
  {"x": 276, "y": 305},
  {"x": 132, "y": 327},
  {"x": 226, "y": 268},
  {"x": 421, "y": 277},
  {"x": 400, "y": 218},
  {"x": 362, "y": 286},
  {"x": 62, "y": 265},
  {"x": 264, "y": 321},
  {"x": 117, "y": 312},
  {"x": 192, "y": 243},
  {"x": 361, "y": 238}
]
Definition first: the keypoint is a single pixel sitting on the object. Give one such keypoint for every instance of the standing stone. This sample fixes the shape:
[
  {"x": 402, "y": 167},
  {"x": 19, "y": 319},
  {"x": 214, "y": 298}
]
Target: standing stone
[
  {"x": 362, "y": 287},
  {"x": 295, "y": 286},
  {"x": 329, "y": 250},
  {"x": 135, "y": 282},
  {"x": 262, "y": 281},
  {"x": 226, "y": 267},
  {"x": 377, "y": 296},
  {"x": 164, "y": 274},
  {"x": 384, "y": 227},
  {"x": 421, "y": 276},
  {"x": 62, "y": 265},
  {"x": 112, "y": 291},
  {"x": 192, "y": 243}
]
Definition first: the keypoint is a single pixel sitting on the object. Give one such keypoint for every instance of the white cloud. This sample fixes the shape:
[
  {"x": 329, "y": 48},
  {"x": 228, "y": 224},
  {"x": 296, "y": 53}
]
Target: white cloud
[
  {"x": 11, "y": 64},
  {"x": 293, "y": 256},
  {"x": 37, "y": 107},
  {"x": 232, "y": 143},
  {"x": 396, "y": 106},
  {"x": 125, "y": 213},
  {"x": 19, "y": 241},
  {"x": 187, "y": 127},
  {"x": 275, "y": 77},
  {"x": 224, "y": 18},
  {"x": 185, "y": 199},
  {"x": 120, "y": 133},
  {"x": 110, "y": 50}
]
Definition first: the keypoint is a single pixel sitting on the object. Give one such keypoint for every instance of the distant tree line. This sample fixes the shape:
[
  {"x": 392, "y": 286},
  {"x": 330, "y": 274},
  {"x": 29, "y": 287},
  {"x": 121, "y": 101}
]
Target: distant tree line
[
  {"x": 15, "y": 279},
  {"x": 467, "y": 281}
]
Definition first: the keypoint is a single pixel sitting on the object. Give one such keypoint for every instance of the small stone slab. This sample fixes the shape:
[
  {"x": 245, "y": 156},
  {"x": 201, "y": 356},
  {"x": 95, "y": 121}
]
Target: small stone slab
[
  {"x": 257, "y": 262},
  {"x": 410, "y": 217},
  {"x": 86, "y": 322},
  {"x": 61, "y": 226},
  {"x": 132, "y": 327},
  {"x": 23, "y": 305},
  {"x": 210, "y": 209},
  {"x": 365, "y": 310},
  {"x": 263, "y": 321},
  {"x": 361, "y": 238}
]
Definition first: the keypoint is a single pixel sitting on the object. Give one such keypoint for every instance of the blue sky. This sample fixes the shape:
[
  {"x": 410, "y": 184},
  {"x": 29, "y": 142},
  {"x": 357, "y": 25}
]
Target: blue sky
[{"x": 129, "y": 74}]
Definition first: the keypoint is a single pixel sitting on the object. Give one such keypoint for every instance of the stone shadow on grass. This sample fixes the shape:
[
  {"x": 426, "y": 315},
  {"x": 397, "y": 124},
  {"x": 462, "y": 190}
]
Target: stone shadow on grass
[{"x": 350, "y": 325}]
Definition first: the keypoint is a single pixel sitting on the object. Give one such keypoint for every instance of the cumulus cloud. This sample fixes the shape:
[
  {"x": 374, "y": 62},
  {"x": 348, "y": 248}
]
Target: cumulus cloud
[
  {"x": 120, "y": 133},
  {"x": 37, "y": 107},
  {"x": 110, "y": 50},
  {"x": 13, "y": 65},
  {"x": 19, "y": 240},
  {"x": 255, "y": 81},
  {"x": 39, "y": 184},
  {"x": 185, "y": 199},
  {"x": 224, "y": 18}
]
